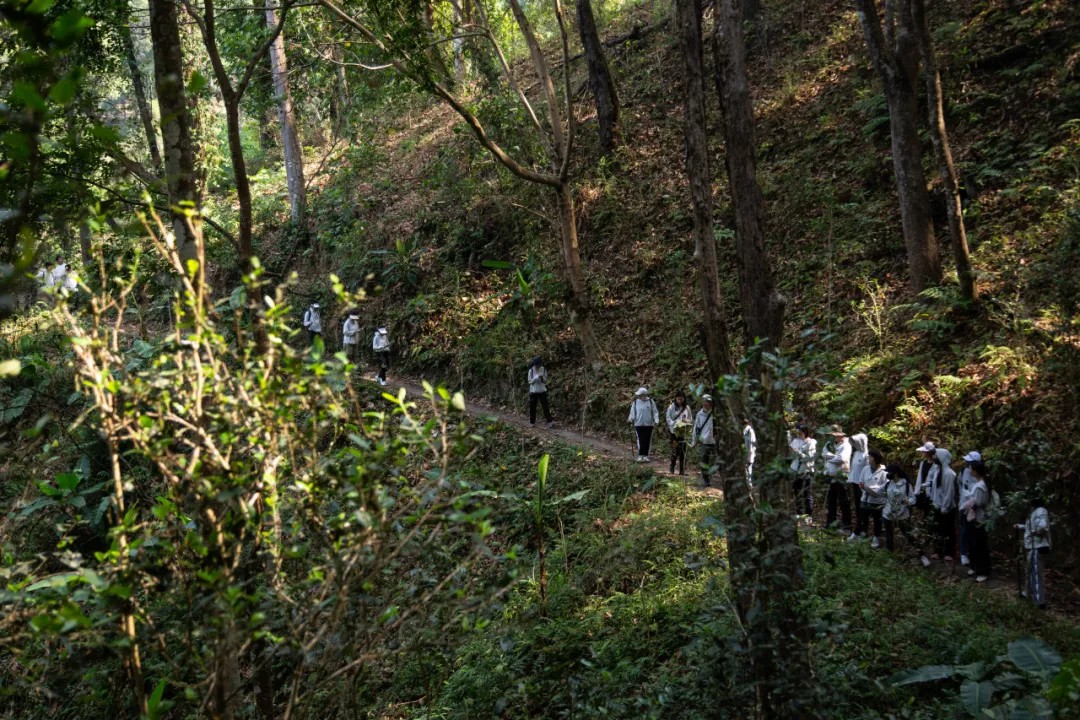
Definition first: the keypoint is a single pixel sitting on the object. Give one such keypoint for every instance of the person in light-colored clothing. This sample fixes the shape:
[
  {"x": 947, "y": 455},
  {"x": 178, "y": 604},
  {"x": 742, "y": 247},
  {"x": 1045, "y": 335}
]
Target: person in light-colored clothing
[
  {"x": 380, "y": 344},
  {"x": 859, "y": 446},
  {"x": 837, "y": 467},
  {"x": 749, "y": 450},
  {"x": 350, "y": 337},
  {"x": 804, "y": 449},
  {"x": 538, "y": 392},
  {"x": 1036, "y": 545},
  {"x": 874, "y": 482},
  {"x": 679, "y": 423},
  {"x": 899, "y": 497},
  {"x": 942, "y": 492},
  {"x": 705, "y": 433},
  {"x": 644, "y": 416},
  {"x": 965, "y": 482},
  {"x": 977, "y": 510},
  {"x": 313, "y": 321}
]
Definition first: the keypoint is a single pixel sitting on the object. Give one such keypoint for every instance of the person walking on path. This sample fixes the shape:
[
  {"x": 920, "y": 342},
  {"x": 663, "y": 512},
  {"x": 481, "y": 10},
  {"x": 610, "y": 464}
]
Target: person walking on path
[
  {"x": 942, "y": 492},
  {"x": 837, "y": 467},
  {"x": 538, "y": 392},
  {"x": 874, "y": 481},
  {"x": 964, "y": 482},
  {"x": 380, "y": 344},
  {"x": 705, "y": 433},
  {"x": 350, "y": 337},
  {"x": 977, "y": 510},
  {"x": 896, "y": 513},
  {"x": 644, "y": 416},
  {"x": 679, "y": 422},
  {"x": 313, "y": 322},
  {"x": 859, "y": 445},
  {"x": 924, "y": 510},
  {"x": 1036, "y": 545},
  {"x": 749, "y": 450},
  {"x": 804, "y": 449}
]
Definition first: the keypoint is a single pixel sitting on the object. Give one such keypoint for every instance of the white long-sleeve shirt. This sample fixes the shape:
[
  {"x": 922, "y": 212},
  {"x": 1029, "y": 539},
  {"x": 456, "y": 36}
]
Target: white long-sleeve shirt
[
  {"x": 350, "y": 331},
  {"x": 678, "y": 416},
  {"x": 704, "y": 428},
  {"x": 313, "y": 320},
  {"x": 805, "y": 455},
  {"x": 749, "y": 444},
  {"x": 644, "y": 413},
  {"x": 1037, "y": 529},
  {"x": 538, "y": 378},
  {"x": 838, "y": 461}
]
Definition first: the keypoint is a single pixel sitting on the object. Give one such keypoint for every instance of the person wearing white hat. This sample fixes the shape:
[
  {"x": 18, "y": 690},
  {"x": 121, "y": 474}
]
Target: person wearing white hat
[
  {"x": 380, "y": 344},
  {"x": 965, "y": 482},
  {"x": 644, "y": 416},
  {"x": 927, "y": 451},
  {"x": 313, "y": 321},
  {"x": 837, "y": 466},
  {"x": 804, "y": 448},
  {"x": 705, "y": 433},
  {"x": 350, "y": 337}
]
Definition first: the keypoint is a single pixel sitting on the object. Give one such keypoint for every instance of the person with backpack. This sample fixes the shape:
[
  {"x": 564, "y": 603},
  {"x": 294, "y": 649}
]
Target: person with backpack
[
  {"x": 837, "y": 467},
  {"x": 977, "y": 510},
  {"x": 350, "y": 337},
  {"x": 942, "y": 493},
  {"x": 704, "y": 432},
  {"x": 873, "y": 482},
  {"x": 313, "y": 322},
  {"x": 538, "y": 392},
  {"x": 899, "y": 497},
  {"x": 380, "y": 345},
  {"x": 924, "y": 511},
  {"x": 859, "y": 443},
  {"x": 804, "y": 448},
  {"x": 964, "y": 483},
  {"x": 1036, "y": 545},
  {"x": 679, "y": 423},
  {"x": 644, "y": 416},
  {"x": 749, "y": 450}
]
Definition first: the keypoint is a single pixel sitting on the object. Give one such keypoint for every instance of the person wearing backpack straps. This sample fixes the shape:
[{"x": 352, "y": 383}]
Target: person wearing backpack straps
[
  {"x": 899, "y": 497},
  {"x": 538, "y": 392},
  {"x": 804, "y": 449},
  {"x": 942, "y": 492},
  {"x": 679, "y": 421},
  {"x": 644, "y": 416},
  {"x": 705, "y": 433},
  {"x": 837, "y": 468},
  {"x": 964, "y": 483},
  {"x": 977, "y": 509},
  {"x": 313, "y": 322},
  {"x": 1036, "y": 545}
]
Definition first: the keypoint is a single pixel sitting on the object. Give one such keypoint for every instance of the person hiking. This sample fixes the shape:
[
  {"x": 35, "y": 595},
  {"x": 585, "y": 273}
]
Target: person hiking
[
  {"x": 350, "y": 337},
  {"x": 679, "y": 423},
  {"x": 873, "y": 482},
  {"x": 380, "y": 344},
  {"x": 896, "y": 512},
  {"x": 705, "y": 433},
  {"x": 313, "y": 322},
  {"x": 538, "y": 393},
  {"x": 644, "y": 416},
  {"x": 977, "y": 509},
  {"x": 942, "y": 492},
  {"x": 859, "y": 444},
  {"x": 964, "y": 482},
  {"x": 837, "y": 468},
  {"x": 1036, "y": 545},
  {"x": 924, "y": 511},
  {"x": 749, "y": 449},
  {"x": 804, "y": 448}
]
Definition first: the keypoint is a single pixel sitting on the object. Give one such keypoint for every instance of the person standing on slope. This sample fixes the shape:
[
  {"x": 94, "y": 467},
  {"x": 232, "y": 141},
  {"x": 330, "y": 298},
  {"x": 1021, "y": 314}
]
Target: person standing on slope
[
  {"x": 313, "y": 322},
  {"x": 804, "y": 449},
  {"x": 977, "y": 509},
  {"x": 644, "y": 416},
  {"x": 874, "y": 481},
  {"x": 899, "y": 497},
  {"x": 380, "y": 344},
  {"x": 854, "y": 479},
  {"x": 749, "y": 450},
  {"x": 705, "y": 433},
  {"x": 1036, "y": 545},
  {"x": 679, "y": 423},
  {"x": 837, "y": 468},
  {"x": 965, "y": 482},
  {"x": 942, "y": 492},
  {"x": 538, "y": 393},
  {"x": 350, "y": 337},
  {"x": 924, "y": 510}
]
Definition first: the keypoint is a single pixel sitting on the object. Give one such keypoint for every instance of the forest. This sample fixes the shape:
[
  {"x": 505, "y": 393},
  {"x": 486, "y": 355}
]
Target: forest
[{"x": 320, "y": 321}]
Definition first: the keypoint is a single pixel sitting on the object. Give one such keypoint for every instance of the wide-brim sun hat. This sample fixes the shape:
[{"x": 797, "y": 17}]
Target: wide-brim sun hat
[{"x": 837, "y": 431}]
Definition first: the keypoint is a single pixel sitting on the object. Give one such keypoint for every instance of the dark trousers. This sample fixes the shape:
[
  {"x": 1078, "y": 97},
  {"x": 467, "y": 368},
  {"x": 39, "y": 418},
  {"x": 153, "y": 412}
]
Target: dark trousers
[
  {"x": 382, "y": 360},
  {"x": 980, "y": 548},
  {"x": 678, "y": 454},
  {"x": 866, "y": 514},
  {"x": 541, "y": 398},
  {"x": 944, "y": 532},
  {"x": 708, "y": 459},
  {"x": 905, "y": 528},
  {"x": 803, "y": 490},
  {"x": 838, "y": 495},
  {"x": 312, "y": 335},
  {"x": 965, "y": 548},
  {"x": 644, "y": 439}
]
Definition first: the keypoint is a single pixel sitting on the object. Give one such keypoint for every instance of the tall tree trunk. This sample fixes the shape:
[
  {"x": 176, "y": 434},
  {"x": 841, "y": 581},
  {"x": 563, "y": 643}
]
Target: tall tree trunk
[
  {"x": 145, "y": 115},
  {"x": 86, "y": 239},
  {"x": 894, "y": 55},
  {"x": 179, "y": 157},
  {"x": 579, "y": 304},
  {"x": 240, "y": 178},
  {"x": 339, "y": 108},
  {"x": 290, "y": 142},
  {"x": 717, "y": 348},
  {"x": 603, "y": 87},
  {"x": 939, "y": 133}
]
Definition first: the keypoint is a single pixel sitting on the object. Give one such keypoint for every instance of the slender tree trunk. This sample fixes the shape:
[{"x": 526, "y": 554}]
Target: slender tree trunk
[
  {"x": 895, "y": 57},
  {"x": 145, "y": 115},
  {"x": 341, "y": 95},
  {"x": 243, "y": 183},
  {"x": 940, "y": 135},
  {"x": 603, "y": 87},
  {"x": 717, "y": 349},
  {"x": 86, "y": 239},
  {"x": 579, "y": 302},
  {"x": 290, "y": 142},
  {"x": 179, "y": 158}
]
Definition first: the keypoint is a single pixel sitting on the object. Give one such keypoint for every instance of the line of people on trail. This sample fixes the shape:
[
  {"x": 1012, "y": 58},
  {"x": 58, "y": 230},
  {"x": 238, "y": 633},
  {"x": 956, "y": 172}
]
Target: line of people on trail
[{"x": 351, "y": 332}]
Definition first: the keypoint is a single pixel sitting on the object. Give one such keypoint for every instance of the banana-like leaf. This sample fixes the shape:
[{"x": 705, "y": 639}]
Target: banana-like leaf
[
  {"x": 1034, "y": 656},
  {"x": 926, "y": 673},
  {"x": 976, "y": 696},
  {"x": 1031, "y": 707}
]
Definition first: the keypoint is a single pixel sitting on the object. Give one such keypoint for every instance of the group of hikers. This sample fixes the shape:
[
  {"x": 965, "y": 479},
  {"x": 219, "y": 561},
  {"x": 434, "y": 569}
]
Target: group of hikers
[
  {"x": 941, "y": 513},
  {"x": 55, "y": 276},
  {"x": 351, "y": 332}
]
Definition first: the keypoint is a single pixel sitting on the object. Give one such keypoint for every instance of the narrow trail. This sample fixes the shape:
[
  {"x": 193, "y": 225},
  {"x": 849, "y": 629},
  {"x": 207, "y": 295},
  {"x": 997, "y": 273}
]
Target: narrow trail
[{"x": 1003, "y": 581}]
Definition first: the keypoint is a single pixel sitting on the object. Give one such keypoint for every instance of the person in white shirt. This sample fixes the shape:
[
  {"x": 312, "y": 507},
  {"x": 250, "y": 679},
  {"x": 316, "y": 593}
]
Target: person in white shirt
[
  {"x": 859, "y": 446},
  {"x": 350, "y": 337},
  {"x": 313, "y": 322},
  {"x": 941, "y": 481},
  {"x": 644, "y": 416},
  {"x": 804, "y": 449},
  {"x": 538, "y": 392},
  {"x": 899, "y": 497},
  {"x": 380, "y": 344},
  {"x": 965, "y": 481},
  {"x": 705, "y": 433},
  {"x": 837, "y": 467},
  {"x": 679, "y": 423},
  {"x": 977, "y": 509},
  {"x": 749, "y": 450},
  {"x": 874, "y": 482},
  {"x": 1036, "y": 544}
]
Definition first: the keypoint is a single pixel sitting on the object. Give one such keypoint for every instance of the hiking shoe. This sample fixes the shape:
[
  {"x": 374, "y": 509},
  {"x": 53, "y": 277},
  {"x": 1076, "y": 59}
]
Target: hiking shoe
[
  {"x": 647, "y": 459},
  {"x": 875, "y": 544},
  {"x": 852, "y": 537},
  {"x": 981, "y": 579},
  {"x": 970, "y": 573},
  {"x": 964, "y": 560},
  {"x": 925, "y": 561},
  {"x": 551, "y": 424}
]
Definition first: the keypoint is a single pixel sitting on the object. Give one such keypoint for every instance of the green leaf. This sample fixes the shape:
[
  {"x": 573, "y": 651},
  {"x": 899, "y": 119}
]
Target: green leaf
[
  {"x": 63, "y": 92},
  {"x": 1066, "y": 685},
  {"x": 458, "y": 402},
  {"x": 498, "y": 265},
  {"x": 975, "y": 696},
  {"x": 153, "y": 703},
  {"x": 974, "y": 671},
  {"x": 27, "y": 95},
  {"x": 39, "y": 7},
  {"x": 1034, "y": 656},
  {"x": 70, "y": 26},
  {"x": 197, "y": 83},
  {"x": 1031, "y": 707},
  {"x": 573, "y": 497},
  {"x": 67, "y": 481},
  {"x": 927, "y": 673}
]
